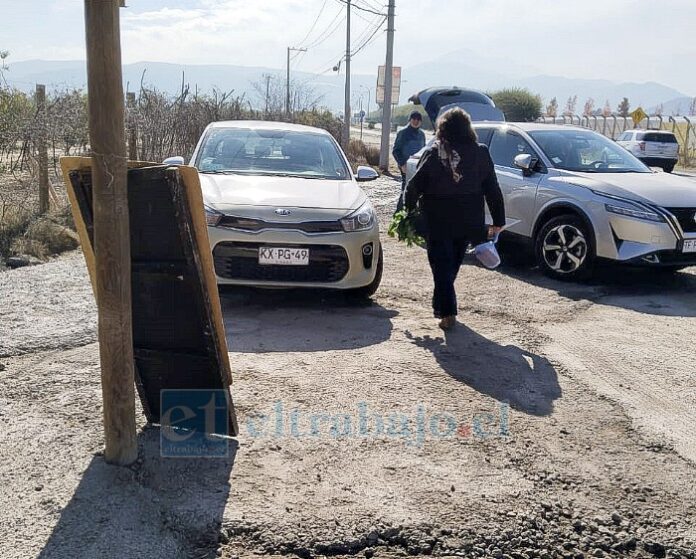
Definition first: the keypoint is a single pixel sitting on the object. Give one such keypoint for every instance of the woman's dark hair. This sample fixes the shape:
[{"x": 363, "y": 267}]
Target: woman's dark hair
[{"x": 454, "y": 127}]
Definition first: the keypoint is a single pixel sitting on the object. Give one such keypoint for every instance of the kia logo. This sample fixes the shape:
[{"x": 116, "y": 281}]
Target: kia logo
[{"x": 282, "y": 211}]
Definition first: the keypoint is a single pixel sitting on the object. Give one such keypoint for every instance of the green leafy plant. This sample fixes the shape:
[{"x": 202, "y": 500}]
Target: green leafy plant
[{"x": 403, "y": 228}]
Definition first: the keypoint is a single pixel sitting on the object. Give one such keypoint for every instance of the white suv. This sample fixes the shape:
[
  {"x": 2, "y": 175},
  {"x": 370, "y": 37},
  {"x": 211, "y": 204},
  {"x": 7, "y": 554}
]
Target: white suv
[{"x": 655, "y": 148}]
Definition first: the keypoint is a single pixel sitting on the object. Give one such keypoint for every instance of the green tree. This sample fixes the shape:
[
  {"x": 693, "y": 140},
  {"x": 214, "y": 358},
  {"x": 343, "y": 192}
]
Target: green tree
[
  {"x": 624, "y": 107},
  {"x": 518, "y": 104}
]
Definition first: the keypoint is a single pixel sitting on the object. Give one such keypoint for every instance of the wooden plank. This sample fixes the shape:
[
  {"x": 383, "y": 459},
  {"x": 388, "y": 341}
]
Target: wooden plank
[{"x": 171, "y": 262}]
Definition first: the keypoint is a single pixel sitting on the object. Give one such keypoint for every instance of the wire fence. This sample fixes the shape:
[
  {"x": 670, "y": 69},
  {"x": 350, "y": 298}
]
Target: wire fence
[{"x": 683, "y": 127}]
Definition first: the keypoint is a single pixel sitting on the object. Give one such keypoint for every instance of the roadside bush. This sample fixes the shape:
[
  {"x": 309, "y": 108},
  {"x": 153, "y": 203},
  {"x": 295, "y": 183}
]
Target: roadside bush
[
  {"x": 518, "y": 104},
  {"x": 56, "y": 238},
  {"x": 319, "y": 119},
  {"x": 361, "y": 154},
  {"x": 13, "y": 225}
]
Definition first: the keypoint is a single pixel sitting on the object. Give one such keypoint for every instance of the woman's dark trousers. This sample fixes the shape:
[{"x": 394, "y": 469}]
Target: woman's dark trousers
[{"x": 445, "y": 257}]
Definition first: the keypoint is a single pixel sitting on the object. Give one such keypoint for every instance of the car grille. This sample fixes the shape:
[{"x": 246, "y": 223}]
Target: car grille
[
  {"x": 253, "y": 225},
  {"x": 685, "y": 217},
  {"x": 239, "y": 261}
]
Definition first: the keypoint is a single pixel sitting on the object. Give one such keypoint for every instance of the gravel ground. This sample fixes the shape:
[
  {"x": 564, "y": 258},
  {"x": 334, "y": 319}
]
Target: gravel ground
[{"x": 555, "y": 421}]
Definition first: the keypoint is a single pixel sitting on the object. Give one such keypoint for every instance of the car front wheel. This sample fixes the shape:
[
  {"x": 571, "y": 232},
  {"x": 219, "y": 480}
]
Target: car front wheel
[{"x": 564, "y": 249}]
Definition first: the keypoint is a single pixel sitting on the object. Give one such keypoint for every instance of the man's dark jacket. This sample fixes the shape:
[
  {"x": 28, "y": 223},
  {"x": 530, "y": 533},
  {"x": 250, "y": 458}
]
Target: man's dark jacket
[
  {"x": 408, "y": 141},
  {"x": 455, "y": 210}
]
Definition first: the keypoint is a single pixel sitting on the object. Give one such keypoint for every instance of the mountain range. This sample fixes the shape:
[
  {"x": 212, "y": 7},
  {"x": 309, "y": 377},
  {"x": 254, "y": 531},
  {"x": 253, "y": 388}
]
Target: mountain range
[{"x": 462, "y": 68}]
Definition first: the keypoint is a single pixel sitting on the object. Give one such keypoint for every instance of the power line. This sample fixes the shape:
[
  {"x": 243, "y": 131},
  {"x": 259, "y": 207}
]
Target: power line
[
  {"x": 371, "y": 38},
  {"x": 329, "y": 31},
  {"x": 363, "y": 8},
  {"x": 321, "y": 11}
]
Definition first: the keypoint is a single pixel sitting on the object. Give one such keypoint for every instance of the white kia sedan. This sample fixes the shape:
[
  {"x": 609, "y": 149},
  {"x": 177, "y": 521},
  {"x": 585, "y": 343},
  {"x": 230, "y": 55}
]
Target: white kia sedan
[{"x": 284, "y": 209}]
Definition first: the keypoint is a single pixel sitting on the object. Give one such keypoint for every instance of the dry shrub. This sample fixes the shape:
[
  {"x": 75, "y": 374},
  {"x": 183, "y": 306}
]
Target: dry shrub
[
  {"x": 361, "y": 154},
  {"x": 56, "y": 238},
  {"x": 29, "y": 247},
  {"x": 22, "y": 233},
  {"x": 13, "y": 225}
]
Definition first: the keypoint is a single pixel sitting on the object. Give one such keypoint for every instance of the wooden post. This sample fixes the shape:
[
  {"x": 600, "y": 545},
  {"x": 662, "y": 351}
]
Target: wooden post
[
  {"x": 42, "y": 148},
  {"x": 132, "y": 127},
  {"x": 111, "y": 228}
]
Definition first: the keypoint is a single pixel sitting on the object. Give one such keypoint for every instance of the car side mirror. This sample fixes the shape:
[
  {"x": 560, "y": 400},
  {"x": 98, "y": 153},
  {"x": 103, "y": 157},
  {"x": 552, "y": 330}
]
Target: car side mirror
[
  {"x": 176, "y": 160},
  {"x": 526, "y": 162},
  {"x": 365, "y": 174}
]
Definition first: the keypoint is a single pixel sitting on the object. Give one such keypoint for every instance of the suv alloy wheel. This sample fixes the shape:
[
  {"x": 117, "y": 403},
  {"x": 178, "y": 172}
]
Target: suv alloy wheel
[{"x": 563, "y": 248}]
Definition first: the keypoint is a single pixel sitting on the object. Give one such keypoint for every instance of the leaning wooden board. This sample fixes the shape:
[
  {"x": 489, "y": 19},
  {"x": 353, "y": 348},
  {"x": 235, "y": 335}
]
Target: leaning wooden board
[{"x": 178, "y": 334}]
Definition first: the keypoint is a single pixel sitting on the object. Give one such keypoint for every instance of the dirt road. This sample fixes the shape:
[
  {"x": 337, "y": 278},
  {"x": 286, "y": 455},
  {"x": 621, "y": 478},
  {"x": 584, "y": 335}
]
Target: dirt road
[{"x": 555, "y": 421}]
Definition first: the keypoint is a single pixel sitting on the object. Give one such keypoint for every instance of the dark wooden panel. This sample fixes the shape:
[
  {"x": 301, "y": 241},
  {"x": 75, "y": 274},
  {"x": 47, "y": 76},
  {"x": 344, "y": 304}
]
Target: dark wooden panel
[{"x": 176, "y": 345}]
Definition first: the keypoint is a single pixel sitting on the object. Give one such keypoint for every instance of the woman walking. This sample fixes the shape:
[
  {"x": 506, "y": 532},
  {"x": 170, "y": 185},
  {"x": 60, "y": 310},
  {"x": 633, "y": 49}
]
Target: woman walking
[{"x": 455, "y": 177}]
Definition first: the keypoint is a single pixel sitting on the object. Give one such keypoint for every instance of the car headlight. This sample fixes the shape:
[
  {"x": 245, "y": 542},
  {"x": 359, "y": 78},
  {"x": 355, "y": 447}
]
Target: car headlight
[
  {"x": 361, "y": 219},
  {"x": 629, "y": 208},
  {"x": 631, "y": 212},
  {"x": 212, "y": 217}
]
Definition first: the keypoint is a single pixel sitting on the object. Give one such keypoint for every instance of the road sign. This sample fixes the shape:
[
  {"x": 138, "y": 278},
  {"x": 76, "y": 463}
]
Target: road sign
[
  {"x": 638, "y": 116},
  {"x": 396, "y": 84}
]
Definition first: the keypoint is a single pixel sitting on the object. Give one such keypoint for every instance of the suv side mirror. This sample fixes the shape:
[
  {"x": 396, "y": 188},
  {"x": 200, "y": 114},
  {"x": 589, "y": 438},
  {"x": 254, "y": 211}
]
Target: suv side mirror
[
  {"x": 365, "y": 174},
  {"x": 176, "y": 160},
  {"x": 526, "y": 162}
]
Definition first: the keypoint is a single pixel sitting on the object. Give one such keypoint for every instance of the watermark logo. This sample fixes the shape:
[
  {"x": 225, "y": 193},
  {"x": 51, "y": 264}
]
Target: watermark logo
[
  {"x": 413, "y": 426},
  {"x": 194, "y": 424}
]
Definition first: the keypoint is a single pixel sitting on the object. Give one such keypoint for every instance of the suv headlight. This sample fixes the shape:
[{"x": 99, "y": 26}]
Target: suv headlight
[
  {"x": 361, "y": 219},
  {"x": 212, "y": 217},
  {"x": 638, "y": 214},
  {"x": 629, "y": 208}
]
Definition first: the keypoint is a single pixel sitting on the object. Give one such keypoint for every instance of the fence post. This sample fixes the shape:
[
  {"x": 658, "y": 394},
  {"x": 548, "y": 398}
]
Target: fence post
[
  {"x": 132, "y": 127},
  {"x": 686, "y": 141},
  {"x": 42, "y": 148}
]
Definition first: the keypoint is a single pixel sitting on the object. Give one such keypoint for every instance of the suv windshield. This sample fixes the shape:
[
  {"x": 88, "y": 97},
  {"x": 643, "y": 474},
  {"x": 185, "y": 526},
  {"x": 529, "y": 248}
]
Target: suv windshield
[
  {"x": 586, "y": 151},
  {"x": 271, "y": 152}
]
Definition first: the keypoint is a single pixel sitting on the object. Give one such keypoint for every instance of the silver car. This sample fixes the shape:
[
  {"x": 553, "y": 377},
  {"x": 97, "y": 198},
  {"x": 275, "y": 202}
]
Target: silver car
[
  {"x": 577, "y": 197},
  {"x": 285, "y": 210}
]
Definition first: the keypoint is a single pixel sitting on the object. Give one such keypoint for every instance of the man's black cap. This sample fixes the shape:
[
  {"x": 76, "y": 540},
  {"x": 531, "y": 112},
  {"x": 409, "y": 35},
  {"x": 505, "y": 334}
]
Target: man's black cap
[{"x": 416, "y": 115}]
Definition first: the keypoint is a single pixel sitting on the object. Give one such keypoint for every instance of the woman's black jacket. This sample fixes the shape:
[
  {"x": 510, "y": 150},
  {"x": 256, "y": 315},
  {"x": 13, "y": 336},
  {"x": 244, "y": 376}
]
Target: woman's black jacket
[{"x": 455, "y": 210}]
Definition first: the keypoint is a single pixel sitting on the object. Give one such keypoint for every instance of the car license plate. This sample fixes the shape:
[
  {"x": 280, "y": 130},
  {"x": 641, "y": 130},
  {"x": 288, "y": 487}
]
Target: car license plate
[
  {"x": 284, "y": 256},
  {"x": 689, "y": 245}
]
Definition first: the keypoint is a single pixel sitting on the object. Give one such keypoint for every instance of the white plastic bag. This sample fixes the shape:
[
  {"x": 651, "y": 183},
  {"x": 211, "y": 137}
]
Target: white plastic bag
[{"x": 487, "y": 254}]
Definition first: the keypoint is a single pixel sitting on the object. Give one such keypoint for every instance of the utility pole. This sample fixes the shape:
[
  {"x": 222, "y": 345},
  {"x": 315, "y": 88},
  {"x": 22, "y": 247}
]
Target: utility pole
[
  {"x": 346, "y": 108},
  {"x": 287, "y": 99},
  {"x": 111, "y": 228},
  {"x": 387, "y": 107},
  {"x": 361, "y": 118},
  {"x": 268, "y": 92}
]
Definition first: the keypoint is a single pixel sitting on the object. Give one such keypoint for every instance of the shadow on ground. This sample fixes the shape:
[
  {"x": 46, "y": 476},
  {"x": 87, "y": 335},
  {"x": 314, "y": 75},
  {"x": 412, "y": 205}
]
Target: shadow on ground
[
  {"x": 641, "y": 289},
  {"x": 261, "y": 321},
  {"x": 158, "y": 508},
  {"x": 528, "y": 382}
]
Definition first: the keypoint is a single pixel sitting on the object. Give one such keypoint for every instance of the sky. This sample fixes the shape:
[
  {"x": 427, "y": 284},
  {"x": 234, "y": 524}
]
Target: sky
[{"x": 620, "y": 40}]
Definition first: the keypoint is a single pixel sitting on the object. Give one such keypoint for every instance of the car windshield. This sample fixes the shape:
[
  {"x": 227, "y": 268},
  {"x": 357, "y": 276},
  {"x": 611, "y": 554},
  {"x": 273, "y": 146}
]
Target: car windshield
[
  {"x": 586, "y": 151},
  {"x": 271, "y": 152}
]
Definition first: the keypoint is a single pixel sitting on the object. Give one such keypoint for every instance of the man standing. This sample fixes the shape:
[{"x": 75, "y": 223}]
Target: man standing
[{"x": 409, "y": 140}]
